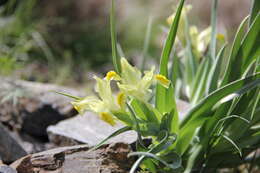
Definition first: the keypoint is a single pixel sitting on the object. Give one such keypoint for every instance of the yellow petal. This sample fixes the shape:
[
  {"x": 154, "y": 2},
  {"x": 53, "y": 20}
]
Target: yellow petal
[
  {"x": 133, "y": 84},
  {"x": 104, "y": 91},
  {"x": 221, "y": 37},
  {"x": 147, "y": 79},
  {"x": 130, "y": 74},
  {"x": 121, "y": 98},
  {"x": 89, "y": 103},
  {"x": 163, "y": 80},
  {"x": 112, "y": 75},
  {"x": 194, "y": 34},
  {"x": 107, "y": 118},
  {"x": 79, "y": 107},
  {"x": 204, "y": 39}
]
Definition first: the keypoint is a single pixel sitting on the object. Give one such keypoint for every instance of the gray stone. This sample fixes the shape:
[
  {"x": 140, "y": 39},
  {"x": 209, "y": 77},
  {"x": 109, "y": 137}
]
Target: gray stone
[
  {"x": 87, "y": 129},
  {"x": 7, "y": 169},
  {"x": 31, "y": 106},
  {"x": 20, "y": 99},
  {"x": 78, "y": 159},
  {"x": 10, "y": 150}
]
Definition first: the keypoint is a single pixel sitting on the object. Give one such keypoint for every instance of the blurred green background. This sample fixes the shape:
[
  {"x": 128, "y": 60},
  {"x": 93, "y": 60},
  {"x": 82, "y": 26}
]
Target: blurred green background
[{"x": 64, "y": 41}]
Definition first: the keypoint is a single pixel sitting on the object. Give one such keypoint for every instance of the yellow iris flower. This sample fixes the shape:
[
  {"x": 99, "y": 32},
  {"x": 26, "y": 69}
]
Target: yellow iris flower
[
  {"x": 130, "y": 83},
  {"x": 199, "y": 41},
  {"x": 105, "y": 105},
  {"x": 133, "y": 84}
]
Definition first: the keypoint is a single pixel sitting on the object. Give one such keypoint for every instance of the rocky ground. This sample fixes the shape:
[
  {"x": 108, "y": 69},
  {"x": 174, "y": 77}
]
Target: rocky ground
[{"x": 40, "y": 132}]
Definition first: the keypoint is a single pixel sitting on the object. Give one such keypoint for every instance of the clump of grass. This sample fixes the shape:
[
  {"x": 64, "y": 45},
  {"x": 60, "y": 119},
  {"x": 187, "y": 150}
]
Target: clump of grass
[{"x": 222, "y": 127}]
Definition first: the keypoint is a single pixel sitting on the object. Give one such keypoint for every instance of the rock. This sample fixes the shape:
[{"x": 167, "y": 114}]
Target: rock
[
  {"x": 91, "y": 130},
  {"x": 30, "y": 144},
  {"x": 87, "y": 129},
  {"x": 7, "y": 169},
  {"x": 36, "y": 123},
  {"x": 10, "y": 150},
  {"x": 32, "y": 106},
  {"x": 77, "y": 159}
]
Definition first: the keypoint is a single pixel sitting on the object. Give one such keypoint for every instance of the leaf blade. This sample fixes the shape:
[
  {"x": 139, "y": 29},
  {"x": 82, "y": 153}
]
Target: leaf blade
[
  {"x": 119, "y": 131},
  {"x": 115, "y": 57},
  {"x": 161, "y": 92},
  {"x": 201, "y": 111}
]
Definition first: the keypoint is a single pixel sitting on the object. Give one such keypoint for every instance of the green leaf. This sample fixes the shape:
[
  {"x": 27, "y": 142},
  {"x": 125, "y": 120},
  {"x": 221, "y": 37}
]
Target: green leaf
[
  {"x": 197, "y": 78},
  {"x": 190, "y": 65},
  {"x": 161, "y": 92},
  {"x": 247, "y": 53},
  {"x": 171, "y": 108},
  {"x": 250, "y": 139},
  {"x": 250, "y": 49},
  {"x": 119, "y": 131},
  {"x": 254, "y": 10},
  {"x": 136, "y": 125},
  {"x": 115, "y": 57},
  {"x": 203, "y": 110},
  {"x": 239, "y": 107},
  {"x": 214, "y": 27},
  {"x": 192, "y": 158},
  {"x": 175, "y": 69},
  {"x": 165, "y": 141},
  {"x": 223, "y": 120},
  {"x": 216, "y": 160},
  {"x": 170, "y": 41},
  {"x": 175, "y": 165},
  {"x": 170, "y": 122},
  {"x": 214, "y": 73},
  {"x": 245, "y": 106},
  {"x": 167, "y": 100},
  {"x": 233, "y": 143},
  {"x": 68, "y": 95},
  {"x": 256, "y": 118},
  {"x": 200, "y": 82},
  {"x": 257, "y": 99},
  {"x": 150, "y": 165},
  {"x": 143, "y": 111},
  {"x": 124, "y": 117},
  {"x": 190, "y": 61},
  {"x": 136, "y": 164},
  {"x": 166, "y": 122},
  {"x": 235, "y": 47}
]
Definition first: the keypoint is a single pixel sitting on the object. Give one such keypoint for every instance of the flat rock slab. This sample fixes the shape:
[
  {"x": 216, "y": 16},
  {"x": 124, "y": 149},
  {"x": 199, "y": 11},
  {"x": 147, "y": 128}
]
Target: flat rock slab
[
  {"x": 7, "y": 169},
  {"x": 78, "y": 159},
  {"x": 89, "y": 129},
  {"x": 10, "y": 150}
]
